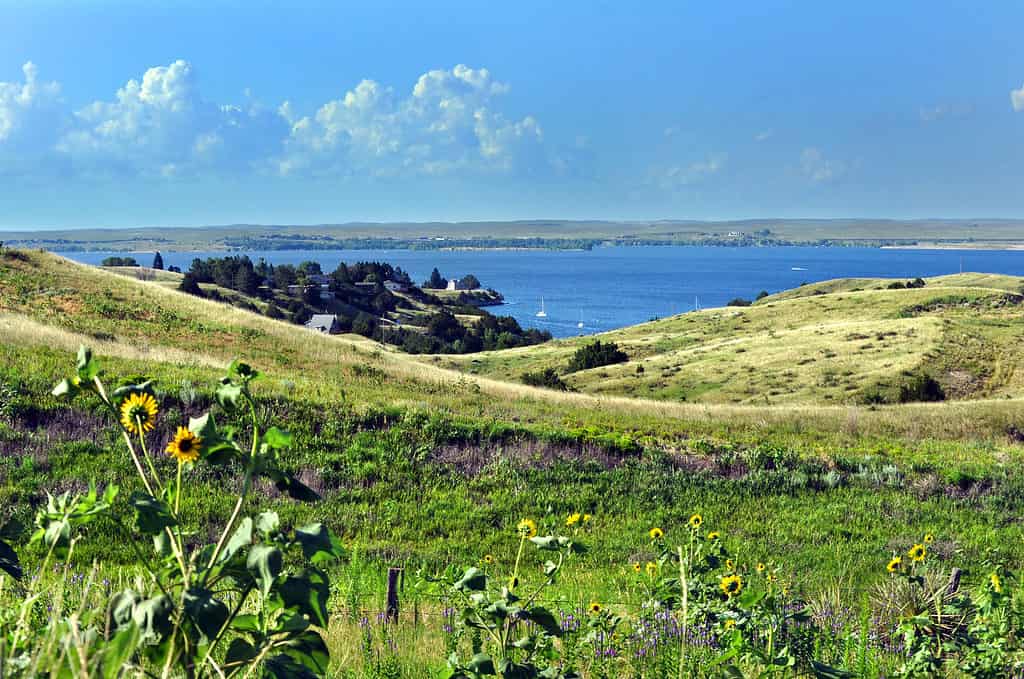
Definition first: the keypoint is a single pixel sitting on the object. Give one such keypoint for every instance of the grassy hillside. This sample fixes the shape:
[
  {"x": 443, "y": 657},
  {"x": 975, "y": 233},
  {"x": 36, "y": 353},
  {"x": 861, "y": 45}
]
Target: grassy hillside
[
  {"x": 831, "y": 342},
  {"x": 427, "y": 467}
]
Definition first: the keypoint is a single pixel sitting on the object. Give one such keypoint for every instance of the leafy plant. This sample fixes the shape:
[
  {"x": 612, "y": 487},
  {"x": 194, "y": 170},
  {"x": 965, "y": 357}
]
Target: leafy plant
[{"x": 229, "y": 608}]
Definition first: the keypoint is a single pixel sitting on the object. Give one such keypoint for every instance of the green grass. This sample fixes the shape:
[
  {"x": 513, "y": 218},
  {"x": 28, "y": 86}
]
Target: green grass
[
  {"x": 828, "y": 343},
  {"x": 425, "y": 467}
]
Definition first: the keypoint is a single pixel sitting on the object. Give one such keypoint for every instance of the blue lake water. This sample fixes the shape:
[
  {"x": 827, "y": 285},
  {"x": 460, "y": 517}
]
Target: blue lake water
[{"x": 611, "y": 287}]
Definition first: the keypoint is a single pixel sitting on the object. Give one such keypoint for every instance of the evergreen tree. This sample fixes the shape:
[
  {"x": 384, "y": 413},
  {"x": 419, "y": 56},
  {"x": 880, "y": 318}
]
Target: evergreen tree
[
  {"x": 190, "y": 284},
  {"x": 158, "y": 261}
]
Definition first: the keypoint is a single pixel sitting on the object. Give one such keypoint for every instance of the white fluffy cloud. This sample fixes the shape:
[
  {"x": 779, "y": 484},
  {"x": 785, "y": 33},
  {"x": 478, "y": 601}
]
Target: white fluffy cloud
[
  {"x": 447, "y": 122},
  {"x": 1017, "y": 99},
  {"x": 31, "y": 117},
  {"x": 820, "y": 169},
  {"x": 161, "y": 125}
]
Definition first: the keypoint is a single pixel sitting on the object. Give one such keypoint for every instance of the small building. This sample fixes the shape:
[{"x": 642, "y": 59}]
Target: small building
[
  {"x": 319, "y": 279},
  {"x": 395, "y": 286},
  {"x": 297, "y": 290},
  {"x": 326, "y": 323},
  {"x": 367, "y": 286},
  {"x": 455, "y": 284}
]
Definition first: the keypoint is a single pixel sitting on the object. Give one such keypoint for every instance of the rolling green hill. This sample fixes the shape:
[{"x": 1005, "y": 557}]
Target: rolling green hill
[
  {"x": 842, "y": 341},
  {"x": 424, "y": 466}
]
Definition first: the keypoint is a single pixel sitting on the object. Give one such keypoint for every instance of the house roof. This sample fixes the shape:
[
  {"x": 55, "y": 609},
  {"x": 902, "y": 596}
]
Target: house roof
[{"x": 322, "y": 321}]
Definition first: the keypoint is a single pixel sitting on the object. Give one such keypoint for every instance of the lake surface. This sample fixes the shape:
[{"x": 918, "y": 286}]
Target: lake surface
[{"x": 611, "y": 287}]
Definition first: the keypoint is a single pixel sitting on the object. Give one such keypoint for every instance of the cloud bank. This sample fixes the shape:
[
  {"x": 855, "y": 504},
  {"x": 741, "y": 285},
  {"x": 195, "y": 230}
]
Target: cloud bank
[{"x": 161, "y": 125}]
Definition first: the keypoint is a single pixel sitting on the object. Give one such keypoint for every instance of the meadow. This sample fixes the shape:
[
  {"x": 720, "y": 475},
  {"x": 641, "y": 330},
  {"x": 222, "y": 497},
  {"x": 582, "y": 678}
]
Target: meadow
[{"x": 430, "y": 469}]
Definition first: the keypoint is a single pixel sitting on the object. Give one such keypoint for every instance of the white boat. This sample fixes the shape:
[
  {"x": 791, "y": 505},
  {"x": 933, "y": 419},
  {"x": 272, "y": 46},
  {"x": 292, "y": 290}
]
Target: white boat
[
  {"x": 797, "y": 268},
  {"x": 542, "y": 313}
]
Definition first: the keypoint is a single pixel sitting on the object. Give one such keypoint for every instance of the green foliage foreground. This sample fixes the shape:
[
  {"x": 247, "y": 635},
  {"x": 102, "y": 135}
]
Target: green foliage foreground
[
  {"x": 253, "y": 598},
  {"x": 229, "y": 608}
]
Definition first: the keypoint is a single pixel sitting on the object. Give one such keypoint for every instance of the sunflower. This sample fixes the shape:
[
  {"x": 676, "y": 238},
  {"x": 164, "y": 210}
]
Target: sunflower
[
  {"x": 730, "y": 565},
  {"x": 637, "y": 567},
  {"x": 917, "y": 552},
  {"x": 573, "y": 519},
  {"x": 713, "y": 535},
  {"x": 997, "y": 584},
  {"x": 695, "y": 521},
  {"x": 731, "y": 585},
  {"x": 586, "y": 518},
  {"x": 594, "y": 608},
  {"x": 929, "y": 538},
  {"x": 894, "y": 564},
  {"x": 652, "y": 569},
  {"x": 760, "y": 567},
  {"x": 488, "y": 559},
  {"x": 184, "y": 447},
  {"x": 656, "y": 533},
  {"x": 729, "y": 624},
  {"x": 527, "y": 528},
  {"x": 139, "y": 408},
  {"x": 771, "y": 577}
]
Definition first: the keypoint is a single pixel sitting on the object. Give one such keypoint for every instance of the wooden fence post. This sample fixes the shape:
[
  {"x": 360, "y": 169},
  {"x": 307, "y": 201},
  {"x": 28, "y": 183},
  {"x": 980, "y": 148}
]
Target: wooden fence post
[{"x": 391, "y": 612}]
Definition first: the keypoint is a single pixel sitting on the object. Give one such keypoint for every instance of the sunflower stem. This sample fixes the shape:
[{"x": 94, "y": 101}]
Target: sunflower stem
[{"x": 145, "y": 453}]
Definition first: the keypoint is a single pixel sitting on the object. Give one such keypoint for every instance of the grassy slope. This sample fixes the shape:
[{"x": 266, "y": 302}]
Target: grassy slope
[
  {"x": 346, "y": 399},
  {"x": 823, "y": 343}
]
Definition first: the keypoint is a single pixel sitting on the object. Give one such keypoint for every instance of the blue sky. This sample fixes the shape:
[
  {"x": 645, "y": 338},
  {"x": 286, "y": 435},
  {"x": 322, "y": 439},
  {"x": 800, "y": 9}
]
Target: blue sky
[{"x": 112, "y": 114}]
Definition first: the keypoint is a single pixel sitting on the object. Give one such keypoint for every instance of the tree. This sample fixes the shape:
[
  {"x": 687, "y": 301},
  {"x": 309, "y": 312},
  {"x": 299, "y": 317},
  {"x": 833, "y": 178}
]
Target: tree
[
  {"x": 436, "y": 281},
  {"x": 119, "y": 261},
  {"x": 595, "y": 355},
  {"x": 246, "y": 281},
  {"x": 158, "y": 261},
  {"x": 469, "y": 282},
  {"x": 190, "y": 284}
]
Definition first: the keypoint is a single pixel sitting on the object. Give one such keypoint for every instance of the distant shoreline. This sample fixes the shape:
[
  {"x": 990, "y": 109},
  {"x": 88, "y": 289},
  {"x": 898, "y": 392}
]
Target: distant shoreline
[{"x": 956, "y": 246}]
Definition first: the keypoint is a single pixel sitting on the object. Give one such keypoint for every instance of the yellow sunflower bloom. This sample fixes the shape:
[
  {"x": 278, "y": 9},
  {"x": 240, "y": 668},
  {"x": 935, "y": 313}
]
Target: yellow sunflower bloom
[
  {"x": 695, "y": 521},
  {"x": 185, "y": 446},
  {"x": 713, "y": 535},
  {"x": 594, "y": 608},
  {"x": 731, "y": 585},
  {"x": 894, "y": 564},
  {"x": 573, "y": 519},
  {"x": 929, "y": 538},
  {"x": 488, "y": 559},
  {"x": 652, "y": 569},
  {"x": 917, "y": 552},
  {"x": 997, "y": 583},
  {"x": 729, "y": 624},
  {"x": 586, "y": 518},
  {"x": 138, "y": 409},
  {"x": 656, "y": 533},
  {"x": 527, "y": 528},
  {"x": 637, "y": 567},
  {"x": 760, "y": 567},
  {"x": 730, "y": 565}
]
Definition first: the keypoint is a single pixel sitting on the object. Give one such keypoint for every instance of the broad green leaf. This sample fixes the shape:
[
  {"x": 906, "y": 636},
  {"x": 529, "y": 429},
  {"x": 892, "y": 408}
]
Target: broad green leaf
[
  {"x": 308, "y": 649},
  {"x": 228, "y": 395},
  {"x": 264, "y": 563},
  {"x": 544, "y": 619},
  {"x": 277, "y": 439},
  {"x": 268, "y": 523},
  {"x": 118, "y": 651},
  {"x": 120, "y": 609},
  {"x": 208, "y": 614},
  {"x": 240, "y": 652},
  {"x": 239, "y": 539},
  {"x": 473, "y": 580},
  {"x": 481, "y": 663},
  {"x": 67, "y": 388},
  {"x": 306, "y": 593},
  {"x": 153, "y": 618},
  {"x": 246, "y": 622},
  {"x": 86, "y": 366},
  {"x": 548, "y": 543},
  {"x": 151, "y": 515},
  {"x": 318, "y": 544}
]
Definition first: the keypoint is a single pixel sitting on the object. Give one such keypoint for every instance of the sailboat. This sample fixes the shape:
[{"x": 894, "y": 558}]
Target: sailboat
[
  {"x": 542, "y": 313},
  {"x": 580, "y": 324}
]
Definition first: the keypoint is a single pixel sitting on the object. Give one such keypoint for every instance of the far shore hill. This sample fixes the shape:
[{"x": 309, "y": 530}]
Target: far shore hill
[{"x": 534, "y": 234}]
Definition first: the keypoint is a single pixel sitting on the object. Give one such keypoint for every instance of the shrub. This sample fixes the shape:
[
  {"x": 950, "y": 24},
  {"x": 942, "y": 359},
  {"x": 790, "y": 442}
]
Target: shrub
[
  {"x": 595, "y": 355},
  {"x": 738, "y": 301},
  {"x": 119, "y": 261},
  {"x": 546, "y": 378}
]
